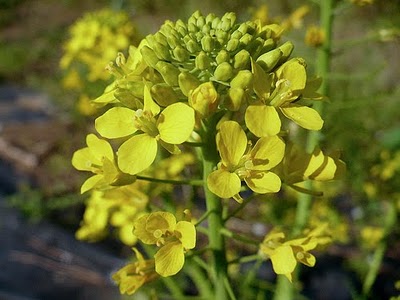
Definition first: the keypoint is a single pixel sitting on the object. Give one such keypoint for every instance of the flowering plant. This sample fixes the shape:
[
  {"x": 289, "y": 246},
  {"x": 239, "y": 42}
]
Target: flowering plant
[{"x": 227, "y": 93}]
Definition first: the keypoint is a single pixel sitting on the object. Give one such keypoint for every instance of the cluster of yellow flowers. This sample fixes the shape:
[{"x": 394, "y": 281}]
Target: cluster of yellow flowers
[
  {"x": 226, "y": 89},
  {"x": 95, "y": 39}
]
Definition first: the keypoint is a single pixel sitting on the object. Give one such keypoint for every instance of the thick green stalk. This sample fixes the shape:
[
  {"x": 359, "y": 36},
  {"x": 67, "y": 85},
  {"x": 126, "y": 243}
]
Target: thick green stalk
[
  {"x": 284, "y": 289},
  {"x": 215, "y": 218}
]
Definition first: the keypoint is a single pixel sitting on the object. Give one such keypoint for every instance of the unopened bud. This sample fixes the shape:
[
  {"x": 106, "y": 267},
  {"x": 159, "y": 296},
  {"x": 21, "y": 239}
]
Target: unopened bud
[
  {"x": 203, "y": 99},
  {"x": 270, "y": 59},
  {"x": 164, "y": 94},
  {"x": 235, "y": 98},
  {"x": 161, "y": 51},
  {"x": 287, "y": 49},
  {"x": 181, "y": 54},
  {"x": 187, "y": 82},
  {"x": 241, "y": 60},
  {"x": 222, "y": 56},
  {"x": 223, "y": 72},
  {"x": 243, "y": 80},
  {"x": 149, "y": 56},
  {"x": 202, "y": 61},
  {"x": 207, "y": 43},
  {"x": 232, "y": 45},
  {"x": 168, "y": 72}
]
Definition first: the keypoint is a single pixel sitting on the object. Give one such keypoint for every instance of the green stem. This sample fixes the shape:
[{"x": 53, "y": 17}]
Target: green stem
[
  {"x": 284, "y": 289},
  {"x": 379, "y": 253},
  {"x": 215, "y": 222}
]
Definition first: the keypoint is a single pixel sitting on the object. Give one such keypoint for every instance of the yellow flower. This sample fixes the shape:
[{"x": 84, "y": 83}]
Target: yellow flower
[
  {"x": 98, "y": 158},
  {"x": 118, "y": 207},
  {"x": 315, "y": 36},
  {"x": 173, "y": 237},
  {"x": 299, "y": 166},
  {"x": 285, "y": 255},
  {"x": 170, "y": 127},
  {"x": 240, "y": 163},
  {"x": 131, "y": 277},
  {"x": 262, "y": 118}
]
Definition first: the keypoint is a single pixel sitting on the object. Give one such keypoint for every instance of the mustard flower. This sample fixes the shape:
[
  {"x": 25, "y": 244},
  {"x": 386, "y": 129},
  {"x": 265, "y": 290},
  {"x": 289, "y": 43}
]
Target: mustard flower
[
  {"x": 285, "y": 255},
  {"x": 98, "y": 158},
  {"x": 172, "y": 126},
  {"x": 239, "y": 162},
  {"x": 299, "y": 166},
  {"x": 262, "y": 117},
  {"x": 118, "y": 207},
  {"x": 132, "y": 276},
  {"x": 174, "y": 238}
]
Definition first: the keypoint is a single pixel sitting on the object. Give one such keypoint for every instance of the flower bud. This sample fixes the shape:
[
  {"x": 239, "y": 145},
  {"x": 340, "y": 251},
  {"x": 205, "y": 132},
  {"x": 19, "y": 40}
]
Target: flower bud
[
  {"x": 235, "y": 98},
  {"x": 203, "y": 99},
  {"x": 126, "y": 97},
  {"x": 241, "y": 60},
  {"x": 187, "y": 82},
  {"x": 161, "y": 51},
  {"x": 268, "y": 45},
  {"x": 149, "y": 56},
  {"x": 246, "y": 38},
  {"x": 181, "y": 54},
  {"x": 202, "y": 61},
  {"x": 243, "y": 80},
  {"x": 222, "y": 56},
  {"x": 215, "y": 22},
  {"x": 223, "y": 72},
  {"x": 232, "y": 45},
  {"x": 168, "y": 72},
  {"x": 286, "y": 49},
  {"x": 164, "y": 94},
  {"x": 270, "y": 59},
  {"x": 200, "y": 22},
  {"x": 207, "y": 43},
  {"x": 173, "y": 41},
  {"x": 192, "y": 46}
]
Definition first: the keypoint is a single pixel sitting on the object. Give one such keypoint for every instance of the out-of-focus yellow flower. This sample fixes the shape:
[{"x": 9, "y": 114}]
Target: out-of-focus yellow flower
[
  {"x": 239, "y": 162},
  {"x": 295, "y": 20},
  {"x": 362, "y": 2},
  {"x": 315, "y": 36},
  {"x": 131, "y": 277},
  {"x": 119, "y": 207},
  {"x": 285, "y": 255},
  {"x": 174, "y": 238},
  {"x": 95, "y": 39},
  {"x": 85, "y": 106},
  {"x": 371, "y": 236}
]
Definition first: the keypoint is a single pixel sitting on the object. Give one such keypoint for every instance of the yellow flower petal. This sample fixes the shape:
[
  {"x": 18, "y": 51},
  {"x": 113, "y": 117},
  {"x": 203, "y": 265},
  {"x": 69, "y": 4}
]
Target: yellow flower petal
[
  {"x": 231, "y": 143},
  {"x": 149, "y": 104},
  {"x": 283, "y": 261},
  {"x": 223, "y": 183},
  {"x": 187, "y": 234},
  {"x": 304, "y": 116},
  {"x": 263, "y": 182},
  {"x": 262, "y": 120},
  {"x": 91, "y": 182},
  {"x": 267, "y": 153},
  {"x": 169, "y": 259},
  {"x": 116, "y": 122},
  {"x": 149, "y": 228},
  {"x": 320, "y": 167},
  {"x": 99, "y": 147},
  {"x": 83, "y": 159},
  {"x": 175, "y": 123},
  {"x": 137, "y": 154}
]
